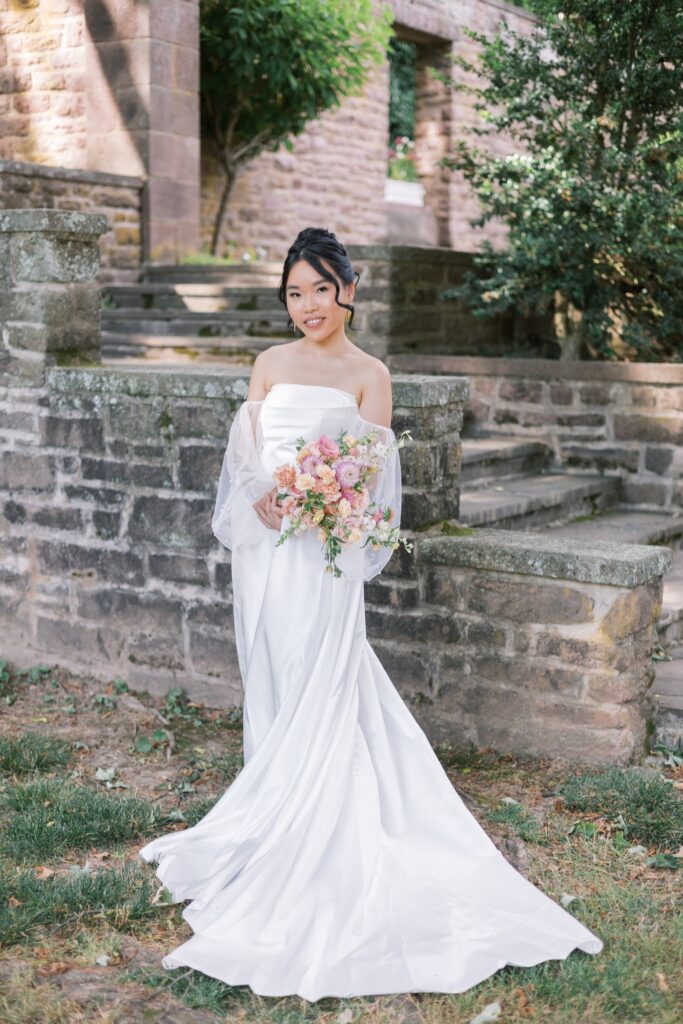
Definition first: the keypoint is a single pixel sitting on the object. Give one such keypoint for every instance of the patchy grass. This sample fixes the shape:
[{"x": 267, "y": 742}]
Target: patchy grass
[
  {"x": 29, "y": 903},
  {"x": 520, "y": 819},
  {"x": 647, "y": 810},
  {"x": 47, "y": 818},
  {"x": 85, "y": 923},
  {"x": 33, "y": 752}
]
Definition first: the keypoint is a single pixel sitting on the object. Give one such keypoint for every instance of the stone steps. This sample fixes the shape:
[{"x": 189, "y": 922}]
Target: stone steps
[
  {"x": 503, "y": 488},
  {"x": 667, "y": 695},
  {"x": 240, "y": 350},
  {"x": 531, "y": 499},
  {"x": 489, "y": 458},
  {"x": 198, "y": 313},
  {"x": 200, "y": 297},
  {"x": 258, "y": 322},
  {"x": 264, "y": 273}
]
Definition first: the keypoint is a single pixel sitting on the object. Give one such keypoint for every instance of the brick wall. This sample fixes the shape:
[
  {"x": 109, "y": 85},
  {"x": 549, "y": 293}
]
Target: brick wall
[
  {"x": 335, "y": 175},
  {"x": 118, "y": 197},
  {"x": 112, "y": 88}
]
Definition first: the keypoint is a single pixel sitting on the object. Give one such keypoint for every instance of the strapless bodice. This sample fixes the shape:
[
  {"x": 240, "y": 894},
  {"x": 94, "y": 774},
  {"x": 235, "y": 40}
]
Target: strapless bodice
[{"x": 291, "y": 411}]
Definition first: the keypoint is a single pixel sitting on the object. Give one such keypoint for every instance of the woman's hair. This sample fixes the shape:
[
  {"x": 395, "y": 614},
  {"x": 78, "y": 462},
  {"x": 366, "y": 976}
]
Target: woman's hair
[{"x": 312, "y": 245}]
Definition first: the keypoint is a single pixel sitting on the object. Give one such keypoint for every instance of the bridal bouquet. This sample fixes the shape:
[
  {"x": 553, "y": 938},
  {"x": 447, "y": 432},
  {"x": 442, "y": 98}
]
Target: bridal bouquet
[{"x": 328, "y": 488}]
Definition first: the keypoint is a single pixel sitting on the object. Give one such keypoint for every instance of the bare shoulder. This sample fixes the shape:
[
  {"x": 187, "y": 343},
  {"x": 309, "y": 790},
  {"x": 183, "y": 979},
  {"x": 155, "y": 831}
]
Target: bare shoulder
[
  {"x": 267, "y": 368},
  {"x": 376, "y": 378}
]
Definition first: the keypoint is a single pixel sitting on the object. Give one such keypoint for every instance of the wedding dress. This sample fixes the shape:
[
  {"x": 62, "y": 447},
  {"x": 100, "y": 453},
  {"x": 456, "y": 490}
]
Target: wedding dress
[{"x": 340, "y": 861}]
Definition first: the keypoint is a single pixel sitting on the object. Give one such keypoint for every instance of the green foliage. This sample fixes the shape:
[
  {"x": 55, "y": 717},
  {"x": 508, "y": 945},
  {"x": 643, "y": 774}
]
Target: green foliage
[
  {"x": 32, "y": 752},
  {"x": 46, "y": 818},
  {"x": 268, "y": 69},
  {"x": 29, "y": 904},
  {"x": 647, "y": 809},
  {"x": 402, "y": 55},
  {"x": 593, "y": 197},
  {"x": 519, "y": 819}
]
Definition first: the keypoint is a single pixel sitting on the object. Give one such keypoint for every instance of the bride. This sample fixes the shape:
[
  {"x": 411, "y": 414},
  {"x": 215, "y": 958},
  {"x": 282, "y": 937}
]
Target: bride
[{"x": 341, "y": 861}]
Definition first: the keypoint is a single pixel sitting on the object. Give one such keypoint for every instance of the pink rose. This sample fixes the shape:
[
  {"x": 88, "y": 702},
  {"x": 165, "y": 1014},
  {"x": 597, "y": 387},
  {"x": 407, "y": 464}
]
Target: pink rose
[{"x": 328, "y": 447}]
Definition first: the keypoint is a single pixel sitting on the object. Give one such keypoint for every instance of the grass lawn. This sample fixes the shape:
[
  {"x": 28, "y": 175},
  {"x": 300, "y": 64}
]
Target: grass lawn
[{"x": 90, "y": 771}]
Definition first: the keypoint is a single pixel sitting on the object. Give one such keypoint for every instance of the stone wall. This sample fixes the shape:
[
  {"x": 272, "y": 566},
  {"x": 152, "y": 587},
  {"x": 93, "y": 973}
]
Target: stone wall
[
  {"x": 112, "y": 88},
  {"x": 107, "y": 479},
  {"x": 399, "y": 309},
  {"x": 117, "y": 196},
  {"x": 618, "y": 418},
  {"x": 526, "y": 643}
]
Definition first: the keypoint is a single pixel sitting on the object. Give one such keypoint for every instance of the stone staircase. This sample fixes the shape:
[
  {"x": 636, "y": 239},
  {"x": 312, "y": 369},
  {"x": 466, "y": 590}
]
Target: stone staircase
[
  {"x": 510, "y": 482},
  {"x": 194, "y": 314}
]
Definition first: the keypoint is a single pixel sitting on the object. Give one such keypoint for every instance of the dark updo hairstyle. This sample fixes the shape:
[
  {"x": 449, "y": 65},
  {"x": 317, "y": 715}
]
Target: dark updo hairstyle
[{"x": 312, "y": 245}]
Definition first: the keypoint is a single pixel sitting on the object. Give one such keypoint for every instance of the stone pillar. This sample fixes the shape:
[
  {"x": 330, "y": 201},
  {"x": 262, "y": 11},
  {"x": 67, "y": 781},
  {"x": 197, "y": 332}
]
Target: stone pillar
[
  {"x": 142, "y": 112},
  {"x": 49, "y": 292}
]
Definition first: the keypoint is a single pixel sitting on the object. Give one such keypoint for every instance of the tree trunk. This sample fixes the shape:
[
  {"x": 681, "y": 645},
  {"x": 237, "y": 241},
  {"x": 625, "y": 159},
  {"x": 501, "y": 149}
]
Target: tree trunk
[
  {"x": 230, "y": 176},
  {"x": 568, "y": 322}
]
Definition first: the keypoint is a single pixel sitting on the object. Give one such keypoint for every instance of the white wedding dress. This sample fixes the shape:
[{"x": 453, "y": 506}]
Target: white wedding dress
[{"x": 340, "y": 861}]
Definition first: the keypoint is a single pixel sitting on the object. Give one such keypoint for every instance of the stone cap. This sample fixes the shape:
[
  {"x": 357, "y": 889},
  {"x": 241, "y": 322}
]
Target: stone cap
[
  {"x": 540, "y": 554},
  {"x": 592, "y": 370},
  {"x": 410, "y": 390},
  {"x": 62, "y": 222}
]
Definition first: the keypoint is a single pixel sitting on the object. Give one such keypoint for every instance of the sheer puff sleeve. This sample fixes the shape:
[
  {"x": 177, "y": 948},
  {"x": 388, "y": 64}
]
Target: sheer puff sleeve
[
  {"x": 242, "y": 481},
  {"x": 363, "y": 561}
]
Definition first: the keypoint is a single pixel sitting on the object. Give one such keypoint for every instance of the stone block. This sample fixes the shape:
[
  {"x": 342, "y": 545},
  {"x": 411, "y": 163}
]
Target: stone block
[
  {"x": 561, "y": 394},
  {"x": 658, "y": 459},
  {"x": 172, "y": 522},
  {"x": 601, "y": 457},
  {"x": 53, "y": 556},
  {"x": 77, "y": 642},
  {"x": 27, "y": 471},
  {"x": 520, "y": 391},
  {"x": 633, "y": 610},
  {"x": 131, "y": 610},
  {"x": 72, "y": 432},
  {"x": 422, "y": 627},
  {"x": 532, "y": 601},
  {"x": 657, "y": 429},
  {"x": 156, "y": 650}
]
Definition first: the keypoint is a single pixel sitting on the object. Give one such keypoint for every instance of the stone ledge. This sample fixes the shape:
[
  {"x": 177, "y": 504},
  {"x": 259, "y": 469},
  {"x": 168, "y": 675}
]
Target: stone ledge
[
  {"x": 410, "y": 390},
  {"x": 70, "y": 174},
  {"x": 543, "y": 369},
  {"x": 619, "y": 565},
  {"x": 45, "y": 220},
  {"x": 410, "y": 254}
]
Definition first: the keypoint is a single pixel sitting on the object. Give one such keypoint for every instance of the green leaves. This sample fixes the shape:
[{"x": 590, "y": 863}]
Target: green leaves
[
  {"x": 592, "y": 194},
  {"x": 268, "y": 69}
]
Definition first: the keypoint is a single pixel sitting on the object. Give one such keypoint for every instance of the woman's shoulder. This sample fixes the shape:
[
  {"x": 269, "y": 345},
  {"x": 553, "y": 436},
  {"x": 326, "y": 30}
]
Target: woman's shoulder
[{"x": 375, "y": 375}]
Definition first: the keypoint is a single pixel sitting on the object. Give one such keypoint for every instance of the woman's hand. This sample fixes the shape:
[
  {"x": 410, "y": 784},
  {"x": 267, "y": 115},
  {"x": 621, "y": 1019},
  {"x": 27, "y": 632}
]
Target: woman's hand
[{"x": 268, "y": 510}]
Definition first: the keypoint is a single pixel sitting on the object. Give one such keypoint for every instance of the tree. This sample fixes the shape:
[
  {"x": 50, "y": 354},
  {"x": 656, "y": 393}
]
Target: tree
[
  {"x": 593, "y": 199},
  {"x": 268, "y": 67}
]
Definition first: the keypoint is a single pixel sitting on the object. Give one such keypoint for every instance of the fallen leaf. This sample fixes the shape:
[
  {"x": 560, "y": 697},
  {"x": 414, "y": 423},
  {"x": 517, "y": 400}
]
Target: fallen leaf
[
  {"x": 490, "y": 1012},
  {"x": 57, "y": 967}
]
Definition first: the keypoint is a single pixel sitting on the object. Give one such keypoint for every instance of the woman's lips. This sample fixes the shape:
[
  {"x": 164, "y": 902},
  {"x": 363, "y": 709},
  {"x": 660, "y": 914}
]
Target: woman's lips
[{"x": 316, "y": 323}]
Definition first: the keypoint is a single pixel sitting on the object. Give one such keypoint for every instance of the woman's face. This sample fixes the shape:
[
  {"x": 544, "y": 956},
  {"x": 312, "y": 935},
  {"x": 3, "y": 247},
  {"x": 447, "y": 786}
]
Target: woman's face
[{"x": 311, "y": 300}]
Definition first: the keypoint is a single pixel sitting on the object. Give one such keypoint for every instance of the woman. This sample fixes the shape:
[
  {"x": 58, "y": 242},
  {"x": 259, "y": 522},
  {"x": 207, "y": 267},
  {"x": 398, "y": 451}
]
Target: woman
[{"x": 341, "y": 861}]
